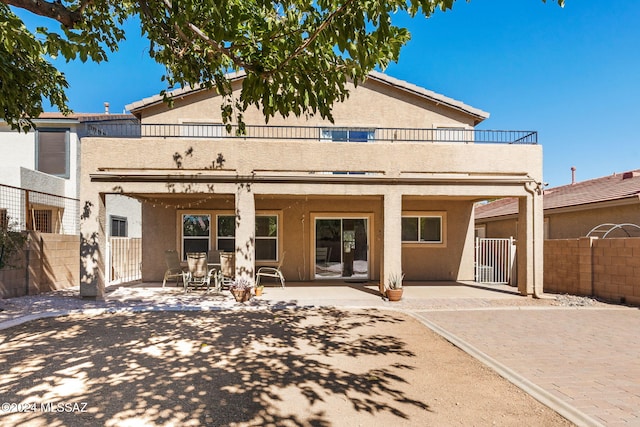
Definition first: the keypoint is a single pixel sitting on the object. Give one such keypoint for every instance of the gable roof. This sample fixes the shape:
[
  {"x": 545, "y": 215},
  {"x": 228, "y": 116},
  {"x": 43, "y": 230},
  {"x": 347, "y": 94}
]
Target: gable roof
[
  {"x": 430, "y": 95},
  {"x": 609, "y": 188},
  {"x": 479, "y": 115},
  {"x": 56, "y": 117},
  {"x": 84, "y": 117}
]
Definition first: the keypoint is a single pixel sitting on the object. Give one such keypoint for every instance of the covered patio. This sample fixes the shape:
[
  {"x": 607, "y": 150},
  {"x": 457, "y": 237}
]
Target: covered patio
[{"x": 417, "y": 295}]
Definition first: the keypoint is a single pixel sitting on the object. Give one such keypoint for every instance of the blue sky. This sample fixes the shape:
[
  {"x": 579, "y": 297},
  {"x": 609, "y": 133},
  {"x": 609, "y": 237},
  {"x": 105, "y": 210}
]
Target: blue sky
[{"x": 572, "y": 74}]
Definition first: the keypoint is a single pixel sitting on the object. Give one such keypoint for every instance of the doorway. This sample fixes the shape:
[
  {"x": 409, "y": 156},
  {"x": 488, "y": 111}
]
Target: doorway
[{"x": 342, "y": 248}]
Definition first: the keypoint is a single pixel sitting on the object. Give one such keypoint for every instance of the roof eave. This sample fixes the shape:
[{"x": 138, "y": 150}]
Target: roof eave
[
  {"x": 137, "y": 106},
  {"x": 478, "y": 115}
]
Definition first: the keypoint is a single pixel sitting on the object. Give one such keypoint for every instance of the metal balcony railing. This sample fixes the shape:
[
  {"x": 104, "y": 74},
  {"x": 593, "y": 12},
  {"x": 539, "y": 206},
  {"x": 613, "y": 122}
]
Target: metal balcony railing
[{"x": 317, "y": 133}]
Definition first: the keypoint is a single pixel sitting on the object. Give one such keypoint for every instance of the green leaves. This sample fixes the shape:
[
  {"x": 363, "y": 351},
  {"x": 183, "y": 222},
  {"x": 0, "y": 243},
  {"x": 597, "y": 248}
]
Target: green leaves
[
  {"x": 25, "y": 76},
  {"x": 297, "y": 54},
  {"x": 90, "y": 30}
]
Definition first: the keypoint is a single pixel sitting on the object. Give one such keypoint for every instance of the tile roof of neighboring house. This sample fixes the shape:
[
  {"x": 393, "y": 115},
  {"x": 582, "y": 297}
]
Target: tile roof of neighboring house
[
  {"x": 373, "y": 75},
  {"x": 608, "y": 188},
  {"x": 84, "y": 117}
]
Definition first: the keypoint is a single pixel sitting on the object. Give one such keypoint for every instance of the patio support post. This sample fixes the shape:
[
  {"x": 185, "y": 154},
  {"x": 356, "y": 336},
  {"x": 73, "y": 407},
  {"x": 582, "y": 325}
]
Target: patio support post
[
  {"x": 92, "y": 243},
  {"x": 530, "y": 242},
  {"x": 245, "y": 233},
  {"x": 392, "y": 253}
]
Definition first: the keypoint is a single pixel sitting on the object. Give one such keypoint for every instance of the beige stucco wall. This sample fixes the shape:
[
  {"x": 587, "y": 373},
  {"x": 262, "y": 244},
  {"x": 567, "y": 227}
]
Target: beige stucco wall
[
  {"x": 446, "y": 162},
  {"x": 577, "y": 224},
  {"x": 436, "y": 171},
  {"x": 161, "y": 230},
  {"x": 574, "y": 223},
  {"x": 452, "y": 260},
  {"x": 268, "y": 174},
  {"x": 501, "y": 229},
  {"x": 377, "y": 105}
]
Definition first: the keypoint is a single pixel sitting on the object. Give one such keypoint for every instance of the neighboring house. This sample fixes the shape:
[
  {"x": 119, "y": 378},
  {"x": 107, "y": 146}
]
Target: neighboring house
[
  {"x": 573, "y": 210},
  {"x": 44, "y": 160},
  {"x": 42, "y": 166},
  {"x": 388, "y": 188}
]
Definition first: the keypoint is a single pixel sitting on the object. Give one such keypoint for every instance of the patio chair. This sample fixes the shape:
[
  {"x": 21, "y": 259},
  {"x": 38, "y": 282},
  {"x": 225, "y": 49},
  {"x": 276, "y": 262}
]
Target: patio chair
[
  {"x": 227, "y": 268},
  {"x": 213, "y": 258},
  {"x": 174, "y": 269},
  {"x": 197, "y": 274},
  {"x": 273, "y": 272},
  {"x": 322, "y": 255}
]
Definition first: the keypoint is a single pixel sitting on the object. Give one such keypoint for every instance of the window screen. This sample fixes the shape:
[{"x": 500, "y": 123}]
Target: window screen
[{"x": 53, "y": 152}]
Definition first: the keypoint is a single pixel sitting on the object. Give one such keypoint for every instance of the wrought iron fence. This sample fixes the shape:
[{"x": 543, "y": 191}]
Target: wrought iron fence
[
  {"x": 435, "y": 135},
  {"x": 25, "y": 210}
]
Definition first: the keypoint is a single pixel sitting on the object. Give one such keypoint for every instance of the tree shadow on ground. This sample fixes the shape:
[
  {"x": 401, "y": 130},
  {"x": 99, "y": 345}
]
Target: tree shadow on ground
[{"x": 282, "y": 367}]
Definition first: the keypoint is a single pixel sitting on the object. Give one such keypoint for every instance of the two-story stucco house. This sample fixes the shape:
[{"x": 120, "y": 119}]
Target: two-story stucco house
[{"x": 388, "y": 188}]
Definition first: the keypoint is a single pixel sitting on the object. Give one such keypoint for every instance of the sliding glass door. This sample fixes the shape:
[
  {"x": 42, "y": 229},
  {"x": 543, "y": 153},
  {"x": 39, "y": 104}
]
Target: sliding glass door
[{"x": 342, "y": 248}]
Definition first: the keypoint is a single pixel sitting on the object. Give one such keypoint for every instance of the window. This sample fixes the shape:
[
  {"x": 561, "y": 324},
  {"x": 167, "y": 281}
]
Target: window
[
  {"x": 348, "y": 135},
  {"x": 195, "y": 233},
  {"x": 266, "y": 233},
  {"x": 118, "y": 226},
  {"x": 202, "y": 130},
  {"x": 267, "y": 238},
  {"x": 52, "y": 151},
  {"x": 41, "y": 220},
  {"x": 422, "y": 229},
  {"x": 453, "y": 134},
  {"x": 226, "y": 235}
]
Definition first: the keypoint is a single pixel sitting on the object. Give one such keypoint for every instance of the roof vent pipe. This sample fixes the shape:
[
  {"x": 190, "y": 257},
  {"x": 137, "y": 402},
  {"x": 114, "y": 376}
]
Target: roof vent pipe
[
  {"x": 106, "y": 108},
  {"x": 573, "y": 175}
]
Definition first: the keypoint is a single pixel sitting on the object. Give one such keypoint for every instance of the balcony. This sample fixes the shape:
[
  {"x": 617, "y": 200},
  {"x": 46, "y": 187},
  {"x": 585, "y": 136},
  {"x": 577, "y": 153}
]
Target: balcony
[{"x": 310, "y": 133}]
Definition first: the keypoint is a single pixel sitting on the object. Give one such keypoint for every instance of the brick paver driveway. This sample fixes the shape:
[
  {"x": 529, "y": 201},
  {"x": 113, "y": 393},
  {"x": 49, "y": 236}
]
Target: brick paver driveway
[{"x": 588, "y": 358}]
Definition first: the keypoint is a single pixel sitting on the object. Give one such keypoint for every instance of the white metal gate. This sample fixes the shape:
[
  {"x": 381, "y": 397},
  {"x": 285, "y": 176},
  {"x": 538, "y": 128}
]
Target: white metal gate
[
  {"x": 125, "y": 259},
  {"x": 495, "y": 260}
]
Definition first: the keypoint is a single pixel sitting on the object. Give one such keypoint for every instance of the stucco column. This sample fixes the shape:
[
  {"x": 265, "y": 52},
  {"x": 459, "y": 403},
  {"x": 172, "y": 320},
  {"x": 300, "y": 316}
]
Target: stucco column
[
  {"x": 392, "y": 253},
  {"x": 530, "y": 242},
  {"x": 245, "y": 233},
  {"x": 93, "y": 243}
]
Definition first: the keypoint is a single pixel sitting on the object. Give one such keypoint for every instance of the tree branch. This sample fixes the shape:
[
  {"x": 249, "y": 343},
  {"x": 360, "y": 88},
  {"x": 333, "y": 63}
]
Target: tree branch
[
  {"x": 54, "y": 10},
  {"x": 176, "y": 40},
  {"x": 315, "y": 34},
  {"x": 218, "y": 47}
]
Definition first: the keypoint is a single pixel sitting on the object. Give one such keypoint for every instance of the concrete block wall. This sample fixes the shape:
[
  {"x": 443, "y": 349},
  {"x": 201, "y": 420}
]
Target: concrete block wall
[
  {"x": 13, "y": 282},
  {"x": 616, "y": 269},
  {"x": 560, "y": 260},
  {"x": 604, "y": 268},
  {"x": 54, "y": 263}
]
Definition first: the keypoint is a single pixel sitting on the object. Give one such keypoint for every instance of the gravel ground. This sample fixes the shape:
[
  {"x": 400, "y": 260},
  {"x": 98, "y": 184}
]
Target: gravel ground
[
  {"x": 210, "y": 361},
  {"x": 290, "y": 367}
]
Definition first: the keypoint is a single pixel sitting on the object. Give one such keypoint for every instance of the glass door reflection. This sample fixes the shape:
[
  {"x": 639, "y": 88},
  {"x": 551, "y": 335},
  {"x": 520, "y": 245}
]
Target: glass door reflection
[{"x": 342, "y": 248}]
